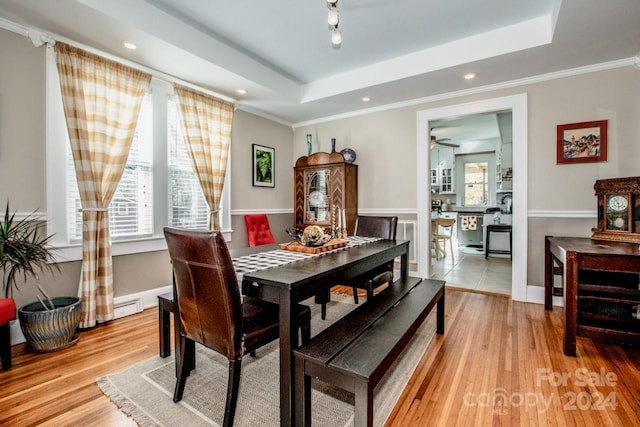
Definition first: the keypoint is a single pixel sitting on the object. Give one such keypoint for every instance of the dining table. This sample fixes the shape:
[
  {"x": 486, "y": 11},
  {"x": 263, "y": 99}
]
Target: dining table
[{"x": 290, "y": 283}]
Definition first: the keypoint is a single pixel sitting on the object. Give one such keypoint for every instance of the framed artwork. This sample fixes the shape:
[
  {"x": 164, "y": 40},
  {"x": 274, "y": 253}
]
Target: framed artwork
[
  {"x": 584, "y": 142},
  {"x": 263, "y": 166}
]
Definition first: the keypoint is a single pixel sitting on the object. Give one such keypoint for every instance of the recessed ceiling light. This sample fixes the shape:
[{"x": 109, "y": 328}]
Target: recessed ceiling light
[
  {"x": 130, "y": 45},
  {"x": 242, "y": 91},
  {"x": 469, "y": 76},
  {"x": 366, "y": 99}
]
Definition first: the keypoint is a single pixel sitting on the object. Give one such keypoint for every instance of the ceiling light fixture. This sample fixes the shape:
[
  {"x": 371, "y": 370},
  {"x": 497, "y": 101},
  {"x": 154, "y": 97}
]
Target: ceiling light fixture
[
  {"x": 242, "y": 91},
  {"x": 469, "y": 76},
  {"x": 365, "y": 99},
  {"x": 333, "y": 19},
  {"x": 130, "y": 45},
  {"x": 336, "y": 38}
]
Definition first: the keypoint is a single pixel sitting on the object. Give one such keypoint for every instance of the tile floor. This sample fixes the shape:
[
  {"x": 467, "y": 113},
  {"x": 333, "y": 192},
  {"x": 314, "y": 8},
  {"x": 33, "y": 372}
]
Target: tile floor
[{"x": 470, "y": 270}]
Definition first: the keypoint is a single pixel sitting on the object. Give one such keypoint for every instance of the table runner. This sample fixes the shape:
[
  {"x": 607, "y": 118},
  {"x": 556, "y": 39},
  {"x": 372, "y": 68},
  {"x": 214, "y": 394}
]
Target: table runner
[{"x": 263, "y": 260}]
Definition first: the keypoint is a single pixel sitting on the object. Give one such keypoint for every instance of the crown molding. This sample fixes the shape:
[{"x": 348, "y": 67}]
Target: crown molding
[
  {"x": 482, "y": 89},
  {"x": 256, "y": 112}
]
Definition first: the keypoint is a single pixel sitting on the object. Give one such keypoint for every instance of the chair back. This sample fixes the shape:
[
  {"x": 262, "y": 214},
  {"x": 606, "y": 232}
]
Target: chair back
[
  {"x": 206, "y": 289},
  {"x": 377, "y": 226},
  {"x": 258, "y": 230},
  {"x": 446, "y": 224}
]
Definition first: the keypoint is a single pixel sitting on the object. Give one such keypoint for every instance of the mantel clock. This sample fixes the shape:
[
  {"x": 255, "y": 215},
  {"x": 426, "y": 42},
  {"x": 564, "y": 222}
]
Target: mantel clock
[{"x": 618, "y": 209}]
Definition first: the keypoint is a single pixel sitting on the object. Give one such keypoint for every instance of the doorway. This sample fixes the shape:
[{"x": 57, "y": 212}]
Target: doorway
[{"x": 517, "y": 104}]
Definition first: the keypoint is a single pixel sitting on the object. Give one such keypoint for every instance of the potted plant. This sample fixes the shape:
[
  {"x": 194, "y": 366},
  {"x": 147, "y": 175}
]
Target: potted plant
[{"x": 48, "y": 324}]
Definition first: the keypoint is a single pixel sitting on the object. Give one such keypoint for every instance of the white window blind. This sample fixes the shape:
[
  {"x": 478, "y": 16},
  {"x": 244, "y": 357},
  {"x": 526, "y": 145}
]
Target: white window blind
[
  {"x": 131, "y": 209},
  {"x": 187, "y": 206}
]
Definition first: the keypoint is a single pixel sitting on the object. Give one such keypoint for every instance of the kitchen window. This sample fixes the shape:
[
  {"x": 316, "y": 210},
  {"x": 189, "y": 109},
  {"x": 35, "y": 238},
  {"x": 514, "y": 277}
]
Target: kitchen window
[{"x": 476, "y": 183}]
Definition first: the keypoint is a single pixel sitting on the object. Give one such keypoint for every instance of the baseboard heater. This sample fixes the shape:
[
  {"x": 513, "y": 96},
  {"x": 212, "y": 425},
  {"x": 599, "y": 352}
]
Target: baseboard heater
[{"x": 127, "y": 307}]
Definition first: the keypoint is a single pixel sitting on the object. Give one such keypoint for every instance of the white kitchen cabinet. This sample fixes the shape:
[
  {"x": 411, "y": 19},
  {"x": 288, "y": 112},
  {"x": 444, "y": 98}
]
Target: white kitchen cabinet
[
  {"x": 446, "y": 165},
  {"x": 434, "y": 177},
  {"x": 446, "y": 180},
  {"x": 442, "y": 172}
]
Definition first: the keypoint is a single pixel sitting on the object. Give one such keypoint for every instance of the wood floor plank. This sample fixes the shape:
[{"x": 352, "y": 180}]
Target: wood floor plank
[
  {"x": 516, "y": 347},
  {"x": 492, "y": 348}
]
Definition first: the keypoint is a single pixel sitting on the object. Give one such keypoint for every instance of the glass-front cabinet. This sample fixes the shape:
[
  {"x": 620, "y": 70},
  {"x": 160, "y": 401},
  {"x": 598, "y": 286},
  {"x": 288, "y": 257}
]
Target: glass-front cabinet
[
  {"x": 434, "y": 177},
  {"x": 446, "y": 181},
  {"x": 443, "y": 169},
  {"x": 323, "y": 182},
  {"x": 317, "y": 201}
]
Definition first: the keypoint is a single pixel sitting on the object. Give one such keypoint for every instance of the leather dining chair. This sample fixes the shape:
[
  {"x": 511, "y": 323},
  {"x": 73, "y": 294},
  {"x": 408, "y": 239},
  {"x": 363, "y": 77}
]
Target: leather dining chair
[
  {"x": 212, "y": 311},
  {"x": 258, "y": 230},
  {"x": 370, "y": 226}
]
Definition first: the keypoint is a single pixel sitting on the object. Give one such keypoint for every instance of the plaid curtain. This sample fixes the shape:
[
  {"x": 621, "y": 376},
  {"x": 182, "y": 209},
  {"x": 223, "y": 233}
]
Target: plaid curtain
[
  {"x": 101, "y": 101},
  {"x": 207, "y": 127}
]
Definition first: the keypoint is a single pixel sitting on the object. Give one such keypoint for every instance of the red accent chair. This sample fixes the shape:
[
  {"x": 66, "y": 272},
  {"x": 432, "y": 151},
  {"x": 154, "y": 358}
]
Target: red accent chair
[
  {"x": 7, "y": 314},
  {"x": 258, "y": 231}
]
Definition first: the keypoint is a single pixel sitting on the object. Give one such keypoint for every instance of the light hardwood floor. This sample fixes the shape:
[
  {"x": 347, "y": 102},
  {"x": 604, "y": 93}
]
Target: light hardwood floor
[{"x": 498, "y": 363}]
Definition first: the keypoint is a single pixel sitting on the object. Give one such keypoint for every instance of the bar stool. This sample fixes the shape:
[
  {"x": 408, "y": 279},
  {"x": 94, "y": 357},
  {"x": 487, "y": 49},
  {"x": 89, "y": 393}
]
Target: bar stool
[{"x": 498, "y": 228}]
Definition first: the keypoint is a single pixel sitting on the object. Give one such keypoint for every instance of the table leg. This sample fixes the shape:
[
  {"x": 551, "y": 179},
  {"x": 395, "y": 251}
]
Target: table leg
[
  {"x": 570, "y": 303},
  {"x": 288, "y": 333},
  {"x": 440, "y": 314},
  {"x": 404, "y": 265}
]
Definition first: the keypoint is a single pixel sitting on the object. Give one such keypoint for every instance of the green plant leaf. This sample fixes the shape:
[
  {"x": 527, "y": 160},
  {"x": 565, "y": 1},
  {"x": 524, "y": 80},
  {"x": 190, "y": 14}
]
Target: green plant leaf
[{"x": 23, "y": 250}]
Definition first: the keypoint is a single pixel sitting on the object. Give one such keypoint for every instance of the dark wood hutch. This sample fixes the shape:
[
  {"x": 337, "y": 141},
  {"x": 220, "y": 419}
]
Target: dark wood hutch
[{"x": 322, "y": 181}]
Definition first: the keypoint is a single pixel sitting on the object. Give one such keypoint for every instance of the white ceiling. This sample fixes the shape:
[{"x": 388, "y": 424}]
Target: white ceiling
[{"x": 393, "y": 51}]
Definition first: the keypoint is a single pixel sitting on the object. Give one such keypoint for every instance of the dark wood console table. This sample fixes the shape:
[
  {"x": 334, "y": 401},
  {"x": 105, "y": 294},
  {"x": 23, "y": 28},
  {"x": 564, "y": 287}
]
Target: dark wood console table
[{"x": 600, "y": 281}]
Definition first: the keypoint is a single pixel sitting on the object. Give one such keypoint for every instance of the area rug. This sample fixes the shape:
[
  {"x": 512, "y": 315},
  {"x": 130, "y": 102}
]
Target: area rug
[
  {"x": 145, "y": 390},
  {"x": 472, "y": 251}
]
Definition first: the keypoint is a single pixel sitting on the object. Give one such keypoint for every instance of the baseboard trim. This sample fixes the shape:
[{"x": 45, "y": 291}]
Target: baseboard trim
[
  {"x": 146, "y": 299},
  {"x": 535, "y": 295}
]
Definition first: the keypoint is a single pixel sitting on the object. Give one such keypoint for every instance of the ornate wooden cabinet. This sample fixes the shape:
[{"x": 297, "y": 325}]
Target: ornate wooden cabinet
[{"x": 321, "y": 181}]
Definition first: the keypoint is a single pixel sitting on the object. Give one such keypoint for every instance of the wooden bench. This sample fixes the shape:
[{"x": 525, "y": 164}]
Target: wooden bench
[{"x": 355, "y": 352}]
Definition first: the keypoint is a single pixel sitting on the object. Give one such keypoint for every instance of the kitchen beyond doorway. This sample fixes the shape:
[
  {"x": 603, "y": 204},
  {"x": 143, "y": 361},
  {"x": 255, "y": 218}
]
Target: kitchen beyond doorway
[{"x": 517, "y": 104}]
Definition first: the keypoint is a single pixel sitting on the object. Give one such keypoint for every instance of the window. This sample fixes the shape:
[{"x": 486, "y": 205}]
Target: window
[
  {"x": 158, "y": 186},
  {"x": 131, "y": 209},
  {"x": 476, "y": 184},
  {"x": 187, "y": 207}
]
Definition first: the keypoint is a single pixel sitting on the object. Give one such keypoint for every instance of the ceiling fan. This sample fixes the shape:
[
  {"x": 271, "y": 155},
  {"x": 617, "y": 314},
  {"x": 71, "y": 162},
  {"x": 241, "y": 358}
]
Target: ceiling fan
[{"x": 435, "y": 141}]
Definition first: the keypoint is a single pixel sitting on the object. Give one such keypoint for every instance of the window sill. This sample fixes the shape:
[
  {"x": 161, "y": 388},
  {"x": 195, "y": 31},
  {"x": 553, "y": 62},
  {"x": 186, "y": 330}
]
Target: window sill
[{"x": 73, "y": 252}]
